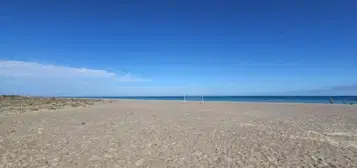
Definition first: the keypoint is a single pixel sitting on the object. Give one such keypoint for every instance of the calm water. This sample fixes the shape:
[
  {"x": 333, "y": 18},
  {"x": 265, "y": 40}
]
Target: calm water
[{"x": 277, "y": 99}]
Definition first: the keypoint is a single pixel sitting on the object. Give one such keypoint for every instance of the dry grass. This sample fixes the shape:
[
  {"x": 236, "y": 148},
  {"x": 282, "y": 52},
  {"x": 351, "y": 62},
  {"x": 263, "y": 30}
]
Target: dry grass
[{"x": 11, "y": 104}]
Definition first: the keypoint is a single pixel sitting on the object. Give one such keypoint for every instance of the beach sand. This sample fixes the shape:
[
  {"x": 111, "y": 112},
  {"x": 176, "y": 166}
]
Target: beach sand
[{"x": 158, "y": 134}]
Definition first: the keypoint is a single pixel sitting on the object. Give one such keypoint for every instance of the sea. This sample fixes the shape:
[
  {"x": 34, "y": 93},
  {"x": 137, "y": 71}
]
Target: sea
[{"x": 272, "y": 99}]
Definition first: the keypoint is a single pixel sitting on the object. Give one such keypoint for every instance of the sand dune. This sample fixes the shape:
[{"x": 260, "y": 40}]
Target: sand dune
[
  {"x": 177, "y": 134},
  {"x": 13, "y": 104}
]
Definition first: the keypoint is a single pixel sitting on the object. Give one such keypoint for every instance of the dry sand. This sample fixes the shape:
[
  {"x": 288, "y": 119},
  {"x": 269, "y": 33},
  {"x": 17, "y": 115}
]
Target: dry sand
[{"x": 177, "y": 134}]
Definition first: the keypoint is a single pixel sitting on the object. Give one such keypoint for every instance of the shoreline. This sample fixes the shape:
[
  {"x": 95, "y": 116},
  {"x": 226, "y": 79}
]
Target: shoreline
[
  {"x": 215, "y": 101},
  {"x": 344, "y": 100},
  {"x": 341, "y": 100},
  {"x": 142, "y": 98}
]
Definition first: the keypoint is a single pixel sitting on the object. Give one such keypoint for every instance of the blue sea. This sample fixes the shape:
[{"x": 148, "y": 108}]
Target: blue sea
[{"x": 273, "y": 99}]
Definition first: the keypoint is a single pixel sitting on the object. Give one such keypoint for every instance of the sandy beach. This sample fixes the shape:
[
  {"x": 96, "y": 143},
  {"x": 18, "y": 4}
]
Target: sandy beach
[{"x": 128, "y": 133}]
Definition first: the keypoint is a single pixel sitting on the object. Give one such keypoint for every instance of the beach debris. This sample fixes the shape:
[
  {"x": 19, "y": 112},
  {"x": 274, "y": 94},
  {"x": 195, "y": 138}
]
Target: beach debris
[
  {"x": 40, "y": 130},
  {"x": 139, "y": 162}
]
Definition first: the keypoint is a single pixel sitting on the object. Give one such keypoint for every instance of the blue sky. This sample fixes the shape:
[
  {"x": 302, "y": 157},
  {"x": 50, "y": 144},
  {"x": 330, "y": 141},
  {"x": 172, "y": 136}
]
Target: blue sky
[{"x": 196, "y": 47}]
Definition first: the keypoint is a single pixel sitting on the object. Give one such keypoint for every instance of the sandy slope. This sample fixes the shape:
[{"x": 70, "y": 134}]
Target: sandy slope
[{"x": 177, "y": 134}]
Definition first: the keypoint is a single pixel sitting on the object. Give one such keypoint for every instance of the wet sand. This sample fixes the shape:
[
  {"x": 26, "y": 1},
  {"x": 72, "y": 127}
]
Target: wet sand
[{"x": 182, "y": 134}]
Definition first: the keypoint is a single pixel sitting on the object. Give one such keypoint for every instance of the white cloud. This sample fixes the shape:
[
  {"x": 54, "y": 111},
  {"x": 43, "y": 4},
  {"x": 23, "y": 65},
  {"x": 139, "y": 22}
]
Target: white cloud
[
  {"x": 21, "y": 69},
  {"x": 43, "y": 79}
]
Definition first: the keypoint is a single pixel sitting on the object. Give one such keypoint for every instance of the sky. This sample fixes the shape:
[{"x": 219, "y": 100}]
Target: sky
[{"x": 178, "y": 47}]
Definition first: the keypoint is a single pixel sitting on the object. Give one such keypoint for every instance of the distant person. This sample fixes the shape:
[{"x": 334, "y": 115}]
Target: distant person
[{"x": 331, "y": 100}]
